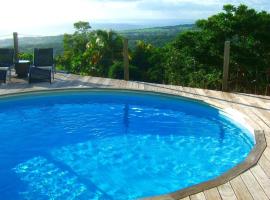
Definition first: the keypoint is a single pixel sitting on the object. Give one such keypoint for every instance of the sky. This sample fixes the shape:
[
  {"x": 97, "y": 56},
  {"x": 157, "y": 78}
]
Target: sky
[{"x": 52, "y": 17}]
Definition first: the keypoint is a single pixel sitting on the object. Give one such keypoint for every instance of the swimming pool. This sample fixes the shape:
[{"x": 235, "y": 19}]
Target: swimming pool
[{"x": 112, "y": 145}]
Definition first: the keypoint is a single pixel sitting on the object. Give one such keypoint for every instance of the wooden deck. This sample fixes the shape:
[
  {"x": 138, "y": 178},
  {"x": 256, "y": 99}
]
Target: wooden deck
[{"x": 252, "y": 184}]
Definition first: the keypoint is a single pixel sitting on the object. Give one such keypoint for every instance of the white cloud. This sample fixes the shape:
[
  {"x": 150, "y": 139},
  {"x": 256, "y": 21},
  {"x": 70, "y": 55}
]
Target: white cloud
[{"x": 33, "y": 16}]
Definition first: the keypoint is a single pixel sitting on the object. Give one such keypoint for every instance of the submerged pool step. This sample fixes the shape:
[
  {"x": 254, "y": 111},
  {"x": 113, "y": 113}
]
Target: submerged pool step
[{"x": 45, "y": 180}]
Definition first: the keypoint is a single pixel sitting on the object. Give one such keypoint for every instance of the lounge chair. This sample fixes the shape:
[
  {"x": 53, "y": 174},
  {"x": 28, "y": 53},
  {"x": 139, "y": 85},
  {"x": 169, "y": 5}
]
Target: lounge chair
[
  {"x": 43, "y": 66},
  {"x": 6, "y": 63}
]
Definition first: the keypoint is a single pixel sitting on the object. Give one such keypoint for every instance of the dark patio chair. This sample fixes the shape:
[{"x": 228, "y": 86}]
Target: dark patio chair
[
  {"x": 6, "y": 63},
  {"x": 43, "y": 66}
]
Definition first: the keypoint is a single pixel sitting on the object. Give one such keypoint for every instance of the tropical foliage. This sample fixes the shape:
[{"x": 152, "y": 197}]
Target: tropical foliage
[
  {"x": 90, "y": 52},
  {"x": 194, "y": 58}
]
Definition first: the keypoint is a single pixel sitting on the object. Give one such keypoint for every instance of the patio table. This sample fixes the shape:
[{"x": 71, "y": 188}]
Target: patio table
[{"x": 22, "y": 68}]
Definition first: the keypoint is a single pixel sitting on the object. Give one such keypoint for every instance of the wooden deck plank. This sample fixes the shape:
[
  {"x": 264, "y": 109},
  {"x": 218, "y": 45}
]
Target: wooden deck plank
[
  {"x": 226, "y": 192},
  {"x": 212, "y": 194},
  {"x": 186, "y": 198},
  {"x": 255, "y": 112},
  {"x": 199, "y": 196},
  {"x": 253, "y": 186},
  {"x": 265, "y": 164},
  {"x": 266, "y": 153},
  {"x": 240, "y": 189},
  {"x": 262, "y": 179}
]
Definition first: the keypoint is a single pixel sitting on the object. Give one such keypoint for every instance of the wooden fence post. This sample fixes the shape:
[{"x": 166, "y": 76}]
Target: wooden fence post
[
  {"x": 16, "y": 46},
  {"x": 126, "y": 62},
  {"x": 226, "y": 66}
]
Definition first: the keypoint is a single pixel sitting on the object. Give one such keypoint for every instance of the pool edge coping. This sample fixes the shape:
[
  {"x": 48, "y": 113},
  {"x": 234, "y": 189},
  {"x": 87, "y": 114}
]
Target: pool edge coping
[{"x": 251, "y": 160}]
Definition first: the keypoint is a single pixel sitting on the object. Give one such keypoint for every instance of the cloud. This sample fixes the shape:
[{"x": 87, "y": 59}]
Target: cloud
[
  {"x": 166, "y": 5},
  {"x": 126, "y": 1},
  {"x": 29, "y": 15},
  {"x": 198, "y": 6}
]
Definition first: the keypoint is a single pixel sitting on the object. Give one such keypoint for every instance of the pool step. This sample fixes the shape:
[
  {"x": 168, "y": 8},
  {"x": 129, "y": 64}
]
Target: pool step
[{"x": 45, "y": 180}]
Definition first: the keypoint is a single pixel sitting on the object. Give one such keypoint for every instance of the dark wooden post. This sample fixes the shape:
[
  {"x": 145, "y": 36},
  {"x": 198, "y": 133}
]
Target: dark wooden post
[
  {"x": 126, "y": 62},
  {"x": 16, "y": 46},
  {"x": 226, "y": 66}
]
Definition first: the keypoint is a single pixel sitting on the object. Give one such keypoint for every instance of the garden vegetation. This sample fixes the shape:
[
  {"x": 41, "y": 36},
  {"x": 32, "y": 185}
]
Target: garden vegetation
[{"x": 194, "y": 58}]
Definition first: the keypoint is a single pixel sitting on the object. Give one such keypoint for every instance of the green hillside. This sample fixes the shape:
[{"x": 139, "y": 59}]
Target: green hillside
[{"x": 158, "y": 36}]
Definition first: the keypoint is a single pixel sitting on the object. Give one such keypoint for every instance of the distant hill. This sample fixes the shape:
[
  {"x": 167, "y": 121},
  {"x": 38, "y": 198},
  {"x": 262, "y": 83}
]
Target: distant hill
[
  {"x": 158, "y": 36},
  {"x": 27, "y": 44},
  {"x": 116, "y": 26}
]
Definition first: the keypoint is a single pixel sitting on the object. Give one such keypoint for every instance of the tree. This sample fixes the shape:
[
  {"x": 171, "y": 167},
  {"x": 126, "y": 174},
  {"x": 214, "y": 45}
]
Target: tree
[
  {"x": 141, "y": 57},
  {"x": 90, "y": 52},
  {"x": 117, "y": 71},
  {"x": 74, "y": 48},
  {"x": 248, "y": 31},
  {"x": 194, "y": 58},
  {"x": 103, "y": 50},
  {"x": 82, "y": 27}
]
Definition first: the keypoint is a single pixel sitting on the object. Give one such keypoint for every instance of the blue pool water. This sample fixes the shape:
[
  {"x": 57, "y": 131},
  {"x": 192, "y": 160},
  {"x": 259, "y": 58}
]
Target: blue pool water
[{"x": 112, "y": 145}]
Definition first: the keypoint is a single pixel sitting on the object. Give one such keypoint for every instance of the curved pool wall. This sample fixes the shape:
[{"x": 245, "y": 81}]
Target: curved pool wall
[{"x": 139, "y": 144}]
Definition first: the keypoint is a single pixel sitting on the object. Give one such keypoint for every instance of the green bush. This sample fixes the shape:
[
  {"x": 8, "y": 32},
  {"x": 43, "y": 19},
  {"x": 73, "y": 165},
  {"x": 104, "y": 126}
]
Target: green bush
[
  {"x": 26, "y": 56},
  {"x": 117, "y": 71}
]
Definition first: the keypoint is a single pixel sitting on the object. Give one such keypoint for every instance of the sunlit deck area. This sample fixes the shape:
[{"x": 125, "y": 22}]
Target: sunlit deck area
[{"x": 252, "y": 184}]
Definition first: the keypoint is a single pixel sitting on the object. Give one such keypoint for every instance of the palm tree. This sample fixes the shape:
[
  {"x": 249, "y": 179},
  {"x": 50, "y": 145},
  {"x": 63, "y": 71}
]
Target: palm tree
[{"x": 105, "y": 48}]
